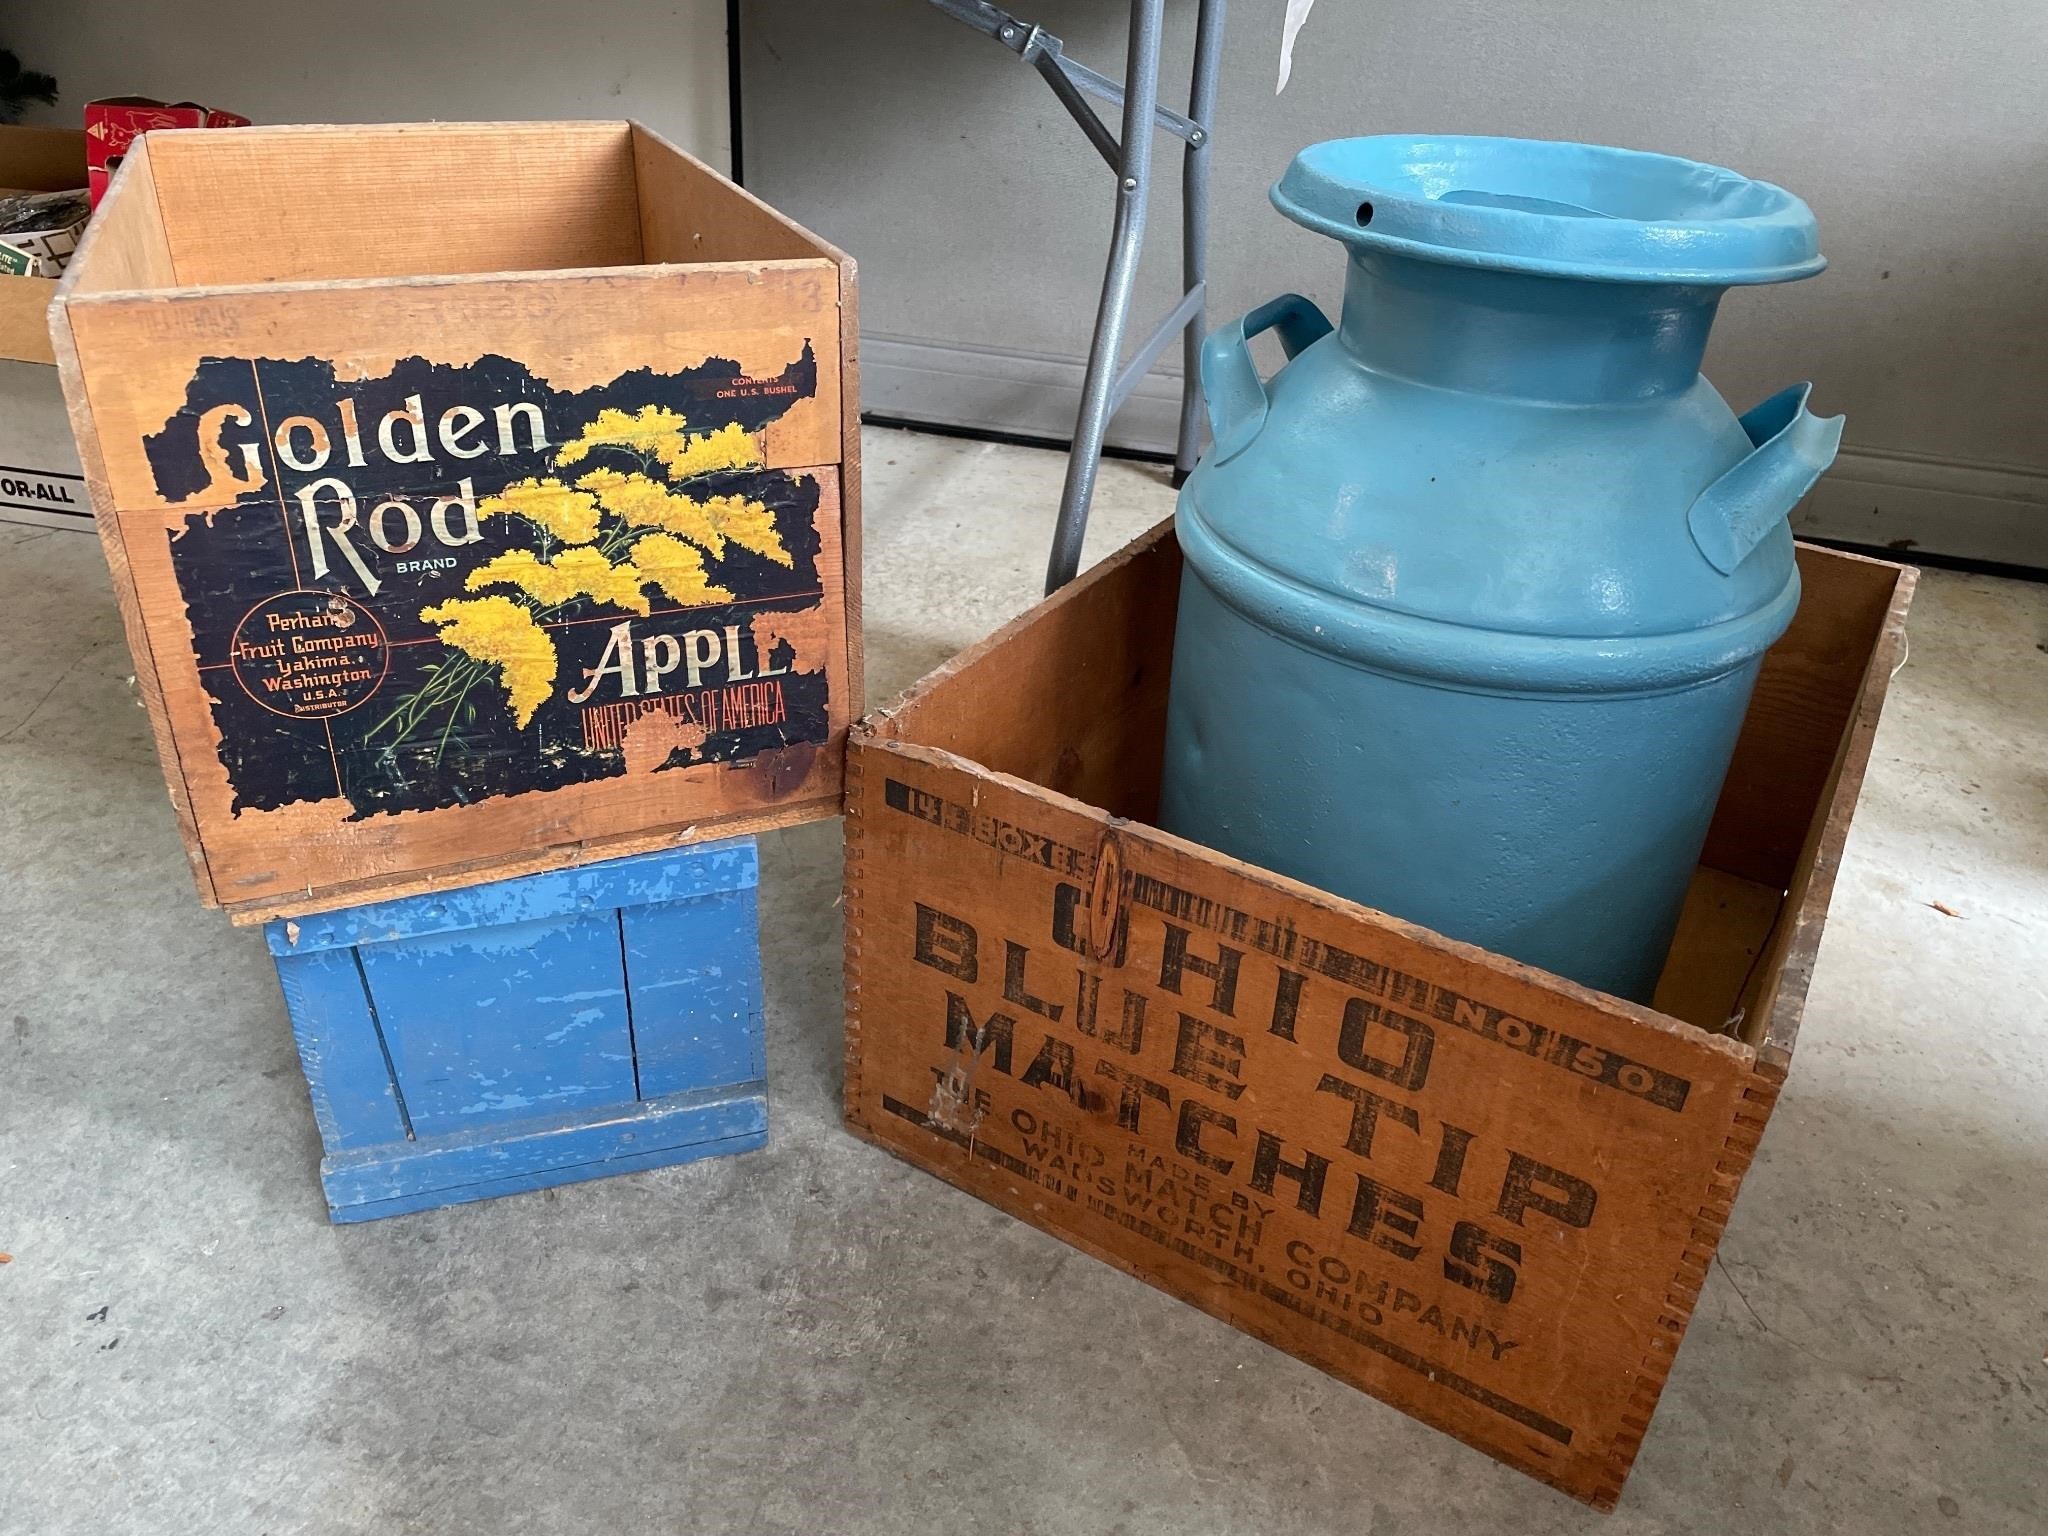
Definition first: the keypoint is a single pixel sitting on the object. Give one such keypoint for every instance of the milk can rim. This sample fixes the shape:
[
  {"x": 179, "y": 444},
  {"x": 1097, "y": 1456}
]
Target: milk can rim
[{"x": 1551, "y": 207}]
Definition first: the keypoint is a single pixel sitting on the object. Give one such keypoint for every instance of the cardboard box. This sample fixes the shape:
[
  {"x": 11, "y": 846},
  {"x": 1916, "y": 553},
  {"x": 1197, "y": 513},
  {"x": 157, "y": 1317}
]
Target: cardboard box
[
  {"x": 39, "y": 231},
  {"x": 1480, "y": 1192},
  {"x": 463, "y": 552},
  {"x": 115, "y": 122},
  {"x": 40, "y": 481}
]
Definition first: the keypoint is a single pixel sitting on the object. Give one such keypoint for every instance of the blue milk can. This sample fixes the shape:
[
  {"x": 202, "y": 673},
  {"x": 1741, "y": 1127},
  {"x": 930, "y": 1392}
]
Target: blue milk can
[{"x": 1477, "y": 585}]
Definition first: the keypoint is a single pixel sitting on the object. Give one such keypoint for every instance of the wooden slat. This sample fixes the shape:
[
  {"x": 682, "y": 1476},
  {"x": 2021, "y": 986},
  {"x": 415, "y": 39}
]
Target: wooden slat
[
  {"x": 851, "y": 480},
  {"x": 577, "y": 330},
  {"x": 396, "y": 200},
  {"x": 124, "y": 245},
  {"x": 1722, "y": 934},
  {"x": 690, "y": 213},
  {"x": 1775, "y": 999},
  {"x": 1804, "y": 699},
  {"x": 310, "y": 857},
  {"x": 126, "y": 223},
  {"x": 1072, "y": 695}
]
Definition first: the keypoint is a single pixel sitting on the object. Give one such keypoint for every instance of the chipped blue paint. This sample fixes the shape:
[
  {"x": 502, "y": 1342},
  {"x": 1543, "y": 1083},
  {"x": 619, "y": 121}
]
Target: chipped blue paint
[{"x": 549, "y": 1011}]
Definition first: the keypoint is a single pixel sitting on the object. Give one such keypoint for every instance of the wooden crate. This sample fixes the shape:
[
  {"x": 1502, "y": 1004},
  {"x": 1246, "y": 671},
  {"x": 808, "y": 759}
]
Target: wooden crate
[
  {"x": 523, "y": 1033},
  {"x": 1480, "y": 1192},
  {"x": 480, "y": 498}
]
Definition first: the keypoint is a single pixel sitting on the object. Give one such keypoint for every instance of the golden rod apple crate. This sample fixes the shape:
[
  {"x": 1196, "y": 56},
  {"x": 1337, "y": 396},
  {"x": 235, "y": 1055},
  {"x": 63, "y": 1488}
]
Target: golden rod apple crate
[
  {"x": 480, "y": 498},
  {"x": 1478, "y": 1191}
]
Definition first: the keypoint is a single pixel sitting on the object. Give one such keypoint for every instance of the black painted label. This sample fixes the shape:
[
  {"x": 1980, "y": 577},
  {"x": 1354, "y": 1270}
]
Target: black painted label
[{"x": 448, "y": 583}]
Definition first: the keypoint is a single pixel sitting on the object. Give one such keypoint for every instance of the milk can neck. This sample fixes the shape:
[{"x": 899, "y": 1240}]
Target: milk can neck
[{"x": 1564, "y": 340}]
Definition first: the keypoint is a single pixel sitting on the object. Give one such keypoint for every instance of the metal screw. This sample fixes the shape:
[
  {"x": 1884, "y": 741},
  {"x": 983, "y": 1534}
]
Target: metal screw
[
  {"x": 1009, "y": 34},
  {"x": 1196, "y": 137},
  {"x": 1130, "y": 183}
]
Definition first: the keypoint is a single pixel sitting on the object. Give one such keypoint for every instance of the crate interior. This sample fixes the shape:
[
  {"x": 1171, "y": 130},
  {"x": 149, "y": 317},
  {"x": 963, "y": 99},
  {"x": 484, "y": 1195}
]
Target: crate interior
[
  {"x": 1075, "y": 701},
  {"x": 333, "y": 204}
]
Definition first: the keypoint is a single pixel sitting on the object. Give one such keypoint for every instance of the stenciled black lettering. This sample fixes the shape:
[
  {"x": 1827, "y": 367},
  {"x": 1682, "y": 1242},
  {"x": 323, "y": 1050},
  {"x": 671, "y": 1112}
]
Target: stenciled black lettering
[
  {"x": 1482, "y": 1262},
  {"x": 1053, "y": 1066},
  {"x": 1308, "y": 1174},
  {"x": 1534, "y": 1186},
  {"x": 1187, "y": 1135},
  {"x": 1015, "y": 958},
  {"x": 1201, "y": 1049},
  {"x": 1286, "y": 1003},
  {"x": 963, "y": 1034},
  {"x": 945, "y": 943},
  {"x": 1386, "y": 1218},
  {"x": 1132, "y": 1091},
  {"x": 1450, "y": 1158},
  {"x": 1175, "y": 959},
  {"x": 1366, "y": 1109},
  {"x": 1418, "y": 1040}
]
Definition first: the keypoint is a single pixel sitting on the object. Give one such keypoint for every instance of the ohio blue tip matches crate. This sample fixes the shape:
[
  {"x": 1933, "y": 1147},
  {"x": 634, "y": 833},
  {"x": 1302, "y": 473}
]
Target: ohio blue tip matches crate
[{"x": 530, "y": 1032}]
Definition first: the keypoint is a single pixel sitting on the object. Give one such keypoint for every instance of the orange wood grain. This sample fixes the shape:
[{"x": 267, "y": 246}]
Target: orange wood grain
[
  {"x": 990, "y": 894},
  {"x": 162, "y": 282}
]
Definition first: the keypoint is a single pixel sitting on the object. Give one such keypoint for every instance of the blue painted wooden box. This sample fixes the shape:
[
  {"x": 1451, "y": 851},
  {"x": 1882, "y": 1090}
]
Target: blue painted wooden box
[{"x": 529, "y": 1032}]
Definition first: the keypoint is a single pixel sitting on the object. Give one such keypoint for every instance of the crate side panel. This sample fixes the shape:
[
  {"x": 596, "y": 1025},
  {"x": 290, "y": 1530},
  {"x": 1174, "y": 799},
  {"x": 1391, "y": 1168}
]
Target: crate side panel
[
  {"x": 459, "y": 1168},
  {"x": 1425, "y": 1170},
  {"x": 1723, "y": 932},
  {"x": 130, "y": 188},
  {"x": 1805, "y": 696},
  {"x": 688, "y": 212},
  {"x": 505, "y": 1023},
  {"x": 355, "y": 1101},
  {"x": 1776, "y": 996},
  {"x": 259, "y": 205},
  {"x": 396, "y": 780},
  {"x": 851, "y": 480},
  {"x": 125, "y": 246},
  {"x": 693, "y": 973},
  {"x": 429, "y": 384},
  {"x": 1072, "y": 695},
  {"x": 673, "y": 875}
]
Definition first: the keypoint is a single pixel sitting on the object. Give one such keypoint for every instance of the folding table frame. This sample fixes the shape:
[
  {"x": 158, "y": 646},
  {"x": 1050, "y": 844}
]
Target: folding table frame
[{"x": 1129, "y": 154}]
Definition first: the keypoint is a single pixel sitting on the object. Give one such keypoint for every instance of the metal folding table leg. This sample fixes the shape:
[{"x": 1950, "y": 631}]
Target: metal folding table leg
[
  {"x": 1194, "y": 239},
  {"x": 1106, "y": 385}
]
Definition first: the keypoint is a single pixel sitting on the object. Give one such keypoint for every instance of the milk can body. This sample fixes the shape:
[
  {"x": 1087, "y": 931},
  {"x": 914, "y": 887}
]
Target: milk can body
[{"x": 1477, "y": 585}]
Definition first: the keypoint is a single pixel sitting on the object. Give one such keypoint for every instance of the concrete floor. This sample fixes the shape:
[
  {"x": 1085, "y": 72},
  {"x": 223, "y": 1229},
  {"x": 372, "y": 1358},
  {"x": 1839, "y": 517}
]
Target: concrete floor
[{"x": 817, "y": 1339}]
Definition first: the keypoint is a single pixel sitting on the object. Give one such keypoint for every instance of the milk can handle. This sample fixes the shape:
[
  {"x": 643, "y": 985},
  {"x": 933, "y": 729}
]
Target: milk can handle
[
  {"x": 1230, "y": 379},
  {"x": 1791, "y": 448}
]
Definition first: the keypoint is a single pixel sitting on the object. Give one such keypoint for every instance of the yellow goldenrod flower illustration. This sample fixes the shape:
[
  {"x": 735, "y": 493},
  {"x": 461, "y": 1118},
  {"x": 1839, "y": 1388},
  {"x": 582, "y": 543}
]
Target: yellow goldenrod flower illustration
[
  {"x": 570, "y": 515},
  {"x": 677, "y": 569},
  {"x": 711, "y": 522},
  {"x": 748, "y": 524},
  {"x": 498, "y": 631},
  {"x": 730, "y": 447},
  {"x": 580, "y": 572},
  {"x": 664, "y": 434}
]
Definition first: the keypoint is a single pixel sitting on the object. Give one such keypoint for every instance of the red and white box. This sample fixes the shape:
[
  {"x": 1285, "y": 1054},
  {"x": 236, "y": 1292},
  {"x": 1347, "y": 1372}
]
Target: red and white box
[{"x": 115, "y": 122}]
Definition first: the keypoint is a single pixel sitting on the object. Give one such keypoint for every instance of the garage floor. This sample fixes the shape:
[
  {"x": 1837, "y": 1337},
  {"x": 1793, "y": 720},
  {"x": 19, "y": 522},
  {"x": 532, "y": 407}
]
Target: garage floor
[{"x": 817, "y": 1339}]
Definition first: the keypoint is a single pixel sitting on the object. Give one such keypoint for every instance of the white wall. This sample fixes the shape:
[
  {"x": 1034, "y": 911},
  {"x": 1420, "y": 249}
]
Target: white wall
[
  {"x": 1918, "y": 131},
  {"x": 285, "y": 61}
]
